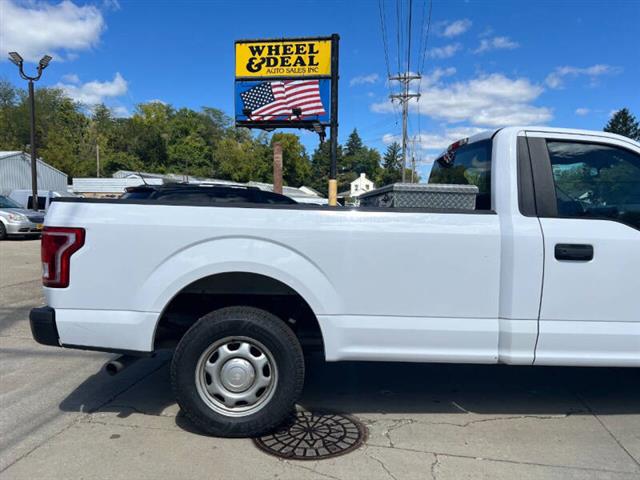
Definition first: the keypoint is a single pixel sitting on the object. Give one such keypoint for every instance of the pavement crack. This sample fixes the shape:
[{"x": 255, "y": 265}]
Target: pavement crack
[
  {"x": 81, "y": 416},
  {"x": 308, "y": 469},
  {"x": 498, "y": 419},
  {"x": 382, "y": 464},
  {"x": 434, "y": 466},
  {"x": 61, "y": 431},
  {"x": 615, "y": 439},
  {"x": 137, "y": 410},
  {"x": 92, "y": 421},
  {"x": 399, "y": 423},
  {"x": 502, "y": 460}
]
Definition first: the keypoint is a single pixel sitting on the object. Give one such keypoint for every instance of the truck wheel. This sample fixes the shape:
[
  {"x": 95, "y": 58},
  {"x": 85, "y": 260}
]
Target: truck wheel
[{"x": 238, "y": 372}]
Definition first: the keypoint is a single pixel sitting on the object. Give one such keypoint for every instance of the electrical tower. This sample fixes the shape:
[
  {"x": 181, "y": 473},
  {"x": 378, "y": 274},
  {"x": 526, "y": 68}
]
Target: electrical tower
[{"x": 404, "y": 97}]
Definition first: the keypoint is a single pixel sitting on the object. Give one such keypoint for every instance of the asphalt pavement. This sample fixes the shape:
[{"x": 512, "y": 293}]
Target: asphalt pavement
[{"x": 62, "y": 417}]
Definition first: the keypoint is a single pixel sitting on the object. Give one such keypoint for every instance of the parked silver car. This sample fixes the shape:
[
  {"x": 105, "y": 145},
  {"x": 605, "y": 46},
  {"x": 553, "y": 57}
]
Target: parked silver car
[{"x": 17, "y": 221}]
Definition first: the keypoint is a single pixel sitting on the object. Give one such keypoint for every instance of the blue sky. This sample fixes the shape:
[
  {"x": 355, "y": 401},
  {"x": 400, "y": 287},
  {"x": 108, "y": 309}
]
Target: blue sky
[{"x": 489, "y": 63}]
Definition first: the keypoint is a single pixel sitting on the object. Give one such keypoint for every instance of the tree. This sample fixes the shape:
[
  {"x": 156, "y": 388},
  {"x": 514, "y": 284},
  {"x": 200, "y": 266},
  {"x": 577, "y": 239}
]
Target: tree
[
  {"x": 9, "y": 137},
  {"x": 359, "y": 159},
  {"x": 391, "y": 165},
  {"x": 320, "y": 164},
  {"x": 624, "y": 123},
  {"x": 354, "y": 144},
  {"x": 243, "y": 161}
]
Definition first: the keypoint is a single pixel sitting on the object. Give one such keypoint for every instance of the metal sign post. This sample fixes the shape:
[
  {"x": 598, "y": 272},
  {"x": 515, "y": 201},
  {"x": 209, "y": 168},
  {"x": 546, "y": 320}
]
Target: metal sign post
[{"x": 333, "y": 182}]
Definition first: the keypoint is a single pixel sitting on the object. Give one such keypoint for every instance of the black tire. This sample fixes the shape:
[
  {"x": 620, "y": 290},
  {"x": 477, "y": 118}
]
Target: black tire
[
  {"x": 249, "y": 323},
  {"x": 3, "y": 231}
]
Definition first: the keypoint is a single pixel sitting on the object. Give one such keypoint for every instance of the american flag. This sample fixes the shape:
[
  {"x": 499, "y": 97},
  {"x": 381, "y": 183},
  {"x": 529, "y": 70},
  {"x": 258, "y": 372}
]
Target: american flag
[{"x": 269, "y": 100}]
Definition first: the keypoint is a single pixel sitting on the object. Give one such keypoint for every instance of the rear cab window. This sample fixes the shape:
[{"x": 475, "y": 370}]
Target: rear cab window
[{"x": 468, "y": 164}]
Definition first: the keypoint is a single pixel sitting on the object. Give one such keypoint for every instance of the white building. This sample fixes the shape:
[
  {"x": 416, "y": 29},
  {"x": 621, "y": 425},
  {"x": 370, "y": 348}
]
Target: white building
[
  {"x": 15, "y": 174},
  {"x": 361, "y": 185}
]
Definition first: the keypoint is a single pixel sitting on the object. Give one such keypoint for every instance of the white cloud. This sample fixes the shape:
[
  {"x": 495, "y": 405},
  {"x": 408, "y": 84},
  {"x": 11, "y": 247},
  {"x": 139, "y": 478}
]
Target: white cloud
[
  {"x": 34, "y": 28},
  {"x": 121, "y": 112},
  {"x": 388, "y": 138},
  {"x": 489, "y": 100},
  {"x": 71, "y": 78},
  {"x": 444, "y": 52},
  {"x": 436, "y": 75},
  {"x": 440, "y": 141},
  {"x": 435, "y": 141},
  {"x": 496, "y": 43},
  {"x": 157, "y": 100},
  {"x": 111, "y": 5},
  {"x": 556, "y": 78},
  {"x": 92, "y": 93},
  {"x": 453, "y": 29},
  {"x": 364, "y": 79},
  {"x": 582, "y": 111}
]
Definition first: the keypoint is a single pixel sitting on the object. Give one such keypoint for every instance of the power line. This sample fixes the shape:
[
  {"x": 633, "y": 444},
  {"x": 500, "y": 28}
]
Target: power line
[
  {"x": 385, "y": 42},
  {"x": 409, "y": 36},
  {"x": 424, "y": 55},
  {"x": 398, "y": 33},
  {"x": 426, "y": 39},
  {"x": 384, "y": 36}
]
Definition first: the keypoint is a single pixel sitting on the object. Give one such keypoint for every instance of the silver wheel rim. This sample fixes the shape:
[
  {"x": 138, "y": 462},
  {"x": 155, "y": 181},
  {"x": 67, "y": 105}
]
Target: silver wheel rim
[{"x": 236, "y": 376}]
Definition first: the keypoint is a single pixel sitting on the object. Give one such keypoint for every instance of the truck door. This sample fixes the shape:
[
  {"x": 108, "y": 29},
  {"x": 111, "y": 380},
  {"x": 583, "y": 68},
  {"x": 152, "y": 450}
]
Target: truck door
[{"x": 587, "y": 190}]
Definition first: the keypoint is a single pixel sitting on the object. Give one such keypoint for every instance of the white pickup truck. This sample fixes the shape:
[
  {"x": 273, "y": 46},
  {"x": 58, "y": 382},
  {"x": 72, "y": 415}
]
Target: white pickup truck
[{"x": 545, "y": 271}]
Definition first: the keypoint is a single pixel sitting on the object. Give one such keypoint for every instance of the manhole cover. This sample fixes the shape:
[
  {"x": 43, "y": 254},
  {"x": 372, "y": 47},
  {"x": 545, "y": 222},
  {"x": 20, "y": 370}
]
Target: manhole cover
[{"x": 313, "y": 436}]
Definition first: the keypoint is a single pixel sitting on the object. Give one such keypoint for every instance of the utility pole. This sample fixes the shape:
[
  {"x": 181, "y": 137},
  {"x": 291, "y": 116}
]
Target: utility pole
[
  {"x": 404, "y": 97},
  {"x": 277, "y": 167},
  {"x": 98, "y": 160}
]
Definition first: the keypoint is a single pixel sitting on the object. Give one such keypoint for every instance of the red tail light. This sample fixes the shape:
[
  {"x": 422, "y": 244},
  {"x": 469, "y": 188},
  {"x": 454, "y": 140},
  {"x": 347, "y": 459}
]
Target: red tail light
[{"x": 58, "y": 244}]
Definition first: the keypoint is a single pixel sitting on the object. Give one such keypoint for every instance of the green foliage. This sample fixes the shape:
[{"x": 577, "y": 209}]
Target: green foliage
[
  {"x": 391, "y": 171},
  {"x": 242, "y": 161},
  {"x": 360, "y": 159},
  {"x": 160, "y": 138},
  {"x": 624, "y": 123},
  {"x": 320, "y": 164}
]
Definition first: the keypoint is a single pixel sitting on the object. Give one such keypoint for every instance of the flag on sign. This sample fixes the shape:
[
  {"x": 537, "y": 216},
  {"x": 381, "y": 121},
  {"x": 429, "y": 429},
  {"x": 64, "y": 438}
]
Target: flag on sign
[{"x": 269, "y": 100}]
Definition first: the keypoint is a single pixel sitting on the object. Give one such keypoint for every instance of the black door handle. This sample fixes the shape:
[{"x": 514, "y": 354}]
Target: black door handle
[{"x": 574, "y": 252}]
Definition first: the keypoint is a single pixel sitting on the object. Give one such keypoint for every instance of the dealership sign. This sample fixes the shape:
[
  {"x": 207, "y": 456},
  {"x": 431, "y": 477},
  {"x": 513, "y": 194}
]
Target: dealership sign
[
  {"x": 283, "y": 58},
  {"x": 285, "y": 83}
]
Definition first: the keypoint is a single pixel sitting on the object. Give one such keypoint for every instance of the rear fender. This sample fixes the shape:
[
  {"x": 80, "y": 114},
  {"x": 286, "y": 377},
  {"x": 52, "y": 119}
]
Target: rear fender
[{"x": 239, "y": 254}]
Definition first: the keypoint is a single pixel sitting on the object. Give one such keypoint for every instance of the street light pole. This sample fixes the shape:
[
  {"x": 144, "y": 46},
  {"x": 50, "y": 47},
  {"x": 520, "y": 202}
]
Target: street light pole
[
  {"x": 44, "y": 62},
  {"x": 34, "y": 172}
]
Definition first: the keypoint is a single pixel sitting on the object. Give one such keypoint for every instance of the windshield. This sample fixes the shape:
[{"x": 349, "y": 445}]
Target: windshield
[{"x": 8, "y": 203}]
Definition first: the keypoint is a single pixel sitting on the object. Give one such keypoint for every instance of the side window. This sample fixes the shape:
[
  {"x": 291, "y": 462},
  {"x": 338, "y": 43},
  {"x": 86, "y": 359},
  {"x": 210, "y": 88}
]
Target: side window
[
  {"x": 467, "y": 165},
  {"x": 596, "y": 181}
]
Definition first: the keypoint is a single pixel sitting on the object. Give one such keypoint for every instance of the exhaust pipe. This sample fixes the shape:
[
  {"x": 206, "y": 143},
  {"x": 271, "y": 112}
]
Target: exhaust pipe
[{"x": 116, "y": 365}]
